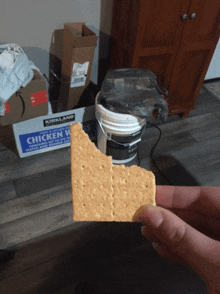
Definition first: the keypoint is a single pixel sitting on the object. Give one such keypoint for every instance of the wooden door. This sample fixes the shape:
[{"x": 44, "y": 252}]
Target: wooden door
[
  {"x": 147, "y": 34},
  {"x": 198, "y": 43},
  {"x": 159, "y": 36}
]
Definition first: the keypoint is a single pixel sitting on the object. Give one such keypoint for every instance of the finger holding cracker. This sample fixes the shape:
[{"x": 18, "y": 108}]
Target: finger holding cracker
[{"x": 102, "y": 191}]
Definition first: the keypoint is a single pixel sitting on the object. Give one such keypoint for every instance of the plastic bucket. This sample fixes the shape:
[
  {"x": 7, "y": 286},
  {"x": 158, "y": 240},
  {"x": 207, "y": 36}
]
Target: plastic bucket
[{"x": 118, "y": 135}]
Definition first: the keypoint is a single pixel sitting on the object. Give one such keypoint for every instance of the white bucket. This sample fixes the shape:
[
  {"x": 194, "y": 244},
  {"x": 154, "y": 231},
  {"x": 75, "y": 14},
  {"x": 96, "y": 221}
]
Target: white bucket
[{"x": 118, "y": 135}]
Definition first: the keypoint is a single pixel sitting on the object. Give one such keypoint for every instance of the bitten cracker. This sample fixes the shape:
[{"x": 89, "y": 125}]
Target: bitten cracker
[{"x": 102, "y": 191}]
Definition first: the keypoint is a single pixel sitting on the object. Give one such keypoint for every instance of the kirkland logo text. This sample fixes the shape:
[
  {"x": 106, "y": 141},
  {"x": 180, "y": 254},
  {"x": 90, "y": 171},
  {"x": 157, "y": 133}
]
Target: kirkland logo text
[{"x": 59, "y": 120}]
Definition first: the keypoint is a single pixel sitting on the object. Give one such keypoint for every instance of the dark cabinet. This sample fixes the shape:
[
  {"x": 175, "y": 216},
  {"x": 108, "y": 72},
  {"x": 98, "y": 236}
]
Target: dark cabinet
[{"x": 174, "y": 38}]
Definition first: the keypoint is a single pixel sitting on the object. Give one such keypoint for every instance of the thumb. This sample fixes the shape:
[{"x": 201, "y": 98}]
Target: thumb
[{"x": 176, "y": 238}]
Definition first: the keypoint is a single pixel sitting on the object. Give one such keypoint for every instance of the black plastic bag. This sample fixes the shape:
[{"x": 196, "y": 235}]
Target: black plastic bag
[{"x": 133, "y": 91}]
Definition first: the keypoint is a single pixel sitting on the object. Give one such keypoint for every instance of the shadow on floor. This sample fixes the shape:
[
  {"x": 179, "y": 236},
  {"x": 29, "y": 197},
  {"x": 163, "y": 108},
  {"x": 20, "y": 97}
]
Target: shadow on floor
[
  {"x": 169, "y": 171},
  {"x": 106, "y": 258},
  {"x": 5, "y": 257}
]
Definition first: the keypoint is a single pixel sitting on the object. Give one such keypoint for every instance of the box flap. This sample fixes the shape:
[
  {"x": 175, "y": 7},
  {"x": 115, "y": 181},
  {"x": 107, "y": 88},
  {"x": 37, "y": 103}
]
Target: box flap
[
  {"x": 78, "y": 35},
  {"x": 76, "y": 28}
]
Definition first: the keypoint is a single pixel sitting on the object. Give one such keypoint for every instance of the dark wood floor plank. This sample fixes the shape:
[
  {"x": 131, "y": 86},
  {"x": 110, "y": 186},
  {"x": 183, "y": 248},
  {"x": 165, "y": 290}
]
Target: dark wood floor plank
[
  {"x": 181, "y": 125},
  {"x": 169, "y": 171},
  {"x": 198, "y": 151},
  {"x": 34, "y": 225},
  {"x": 213, "y": 108},
  {"x": 201, "y": 160},
  {"x": 204, "y": 104},
  {"x": 200, "y": 163},
  {"x": 206, "y": 96},
  {"x": 179, "y": 176},
  {"x": 216, "y": 111},
  {"x": 214, "y": 181},
  {"x": 29, "y": 254},
  {"x": 189, "y": 123},
  {"x": 206, "y": 132},
  {"x": 7, "y": 157},
  {"x": 30, "y": 204},
  {"x": 205, "y": 174},
  {"x": 7, "y": 192},
  {"x": 167, "y": 143},
  {"x": 42, "y": 181},
  {"x": 24, "y": 167}
]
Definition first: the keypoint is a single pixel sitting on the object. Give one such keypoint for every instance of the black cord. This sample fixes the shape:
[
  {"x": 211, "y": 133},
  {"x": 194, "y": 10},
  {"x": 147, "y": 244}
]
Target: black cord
[
  {"x": 152, "y": 150},
  {"x": 22, "y": 100}
]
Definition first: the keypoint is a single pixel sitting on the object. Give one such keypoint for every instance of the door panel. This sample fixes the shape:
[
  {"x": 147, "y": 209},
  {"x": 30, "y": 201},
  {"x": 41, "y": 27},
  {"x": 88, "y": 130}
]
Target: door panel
[
  {"x": 187, "y": 76},
  {"x": 195, "y": 52},
  {"x": 205, "y": 26},
  {"x": 159, "y": 36},
  {"x": 160, "y": 23}
]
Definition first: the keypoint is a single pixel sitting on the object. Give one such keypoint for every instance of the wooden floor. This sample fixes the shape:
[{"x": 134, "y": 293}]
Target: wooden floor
[{"x": 44, "y": 251}]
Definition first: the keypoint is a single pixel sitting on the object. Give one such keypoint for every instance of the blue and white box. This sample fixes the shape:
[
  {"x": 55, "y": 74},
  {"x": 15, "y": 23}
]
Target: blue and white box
[{"x": 50, "y": 132}]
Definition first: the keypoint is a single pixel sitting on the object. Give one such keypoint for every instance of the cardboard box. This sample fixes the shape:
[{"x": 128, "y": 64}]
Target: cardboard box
[
  {"x": 78, "y": 48},
  {"x": 27, "y": 103},
  {"x": 47, "y": 133}
]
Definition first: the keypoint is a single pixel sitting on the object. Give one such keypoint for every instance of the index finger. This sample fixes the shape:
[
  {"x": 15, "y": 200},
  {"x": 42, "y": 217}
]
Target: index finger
[{"x": 201, "y": 199}]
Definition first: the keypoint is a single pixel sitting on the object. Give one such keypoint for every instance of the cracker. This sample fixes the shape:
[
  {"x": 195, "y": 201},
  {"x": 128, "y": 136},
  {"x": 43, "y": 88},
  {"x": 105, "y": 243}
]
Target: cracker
[
  {"x": 132, "y": 187},
  {"x": 91, "y": 173},
  {"x": 102, "y": 191}
]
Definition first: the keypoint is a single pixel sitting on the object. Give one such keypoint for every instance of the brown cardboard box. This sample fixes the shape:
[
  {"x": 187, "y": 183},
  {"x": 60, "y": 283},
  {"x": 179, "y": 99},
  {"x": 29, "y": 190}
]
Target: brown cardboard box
[
  {"x": 78, "y": 48},
  {"x": 27, "y": 103}
]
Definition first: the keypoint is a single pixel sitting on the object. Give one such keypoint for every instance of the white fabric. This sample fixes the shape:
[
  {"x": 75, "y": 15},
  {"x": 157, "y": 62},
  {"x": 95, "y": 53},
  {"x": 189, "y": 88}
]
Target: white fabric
[
  {"x": 15, "y": 72},
  {"x": 7, "y": 59}
]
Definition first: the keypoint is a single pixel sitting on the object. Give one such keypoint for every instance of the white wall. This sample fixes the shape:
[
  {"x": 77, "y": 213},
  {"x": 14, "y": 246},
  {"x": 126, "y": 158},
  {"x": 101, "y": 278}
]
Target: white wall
[
  {"x": 214, "y": 67},
  {"x": 31, "y": 23}
]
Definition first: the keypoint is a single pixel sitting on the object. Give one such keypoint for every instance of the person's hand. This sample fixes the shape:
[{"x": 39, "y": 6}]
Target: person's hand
[{"x": 186, "y": 225}]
